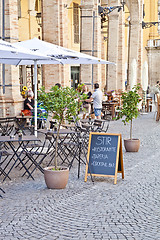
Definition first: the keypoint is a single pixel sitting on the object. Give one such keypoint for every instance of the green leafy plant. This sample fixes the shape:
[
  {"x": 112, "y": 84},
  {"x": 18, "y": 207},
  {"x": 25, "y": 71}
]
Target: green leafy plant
[
  {"x": 129, "y": 108},
  {"x": 64, "y": 103}
]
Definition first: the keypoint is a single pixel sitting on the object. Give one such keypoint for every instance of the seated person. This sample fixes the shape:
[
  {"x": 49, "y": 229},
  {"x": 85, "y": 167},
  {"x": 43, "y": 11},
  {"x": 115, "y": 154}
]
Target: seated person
[{"x": 29, "y": 102}]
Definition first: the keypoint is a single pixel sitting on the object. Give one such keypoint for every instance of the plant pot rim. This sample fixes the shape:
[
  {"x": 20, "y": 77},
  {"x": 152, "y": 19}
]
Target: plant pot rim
[{"x": 62, "y": 168}]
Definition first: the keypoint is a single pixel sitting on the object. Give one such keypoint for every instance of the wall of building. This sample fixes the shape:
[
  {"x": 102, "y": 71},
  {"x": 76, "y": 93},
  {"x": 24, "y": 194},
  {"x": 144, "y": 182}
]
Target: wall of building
[
  {"x": 10, "y": 98},
  {"x": 28, "y": 26},
  {"x": 150, "y": 41},
  {"x": 58, "y": 28}
]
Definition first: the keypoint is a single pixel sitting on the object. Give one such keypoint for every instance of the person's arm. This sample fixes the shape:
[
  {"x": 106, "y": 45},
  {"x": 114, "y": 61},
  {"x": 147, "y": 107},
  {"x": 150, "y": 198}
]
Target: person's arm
[
  {"x": 89, "y": 100},
  {"x": 30, "y": 107}
]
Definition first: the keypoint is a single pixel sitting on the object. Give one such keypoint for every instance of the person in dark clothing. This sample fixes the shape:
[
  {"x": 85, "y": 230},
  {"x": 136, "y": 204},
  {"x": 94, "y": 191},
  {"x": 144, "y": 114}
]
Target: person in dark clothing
[
  {"x": 86, "y": 105},
  {"x": 29, "y": 102},
  {"x": 58, "y": 85}
]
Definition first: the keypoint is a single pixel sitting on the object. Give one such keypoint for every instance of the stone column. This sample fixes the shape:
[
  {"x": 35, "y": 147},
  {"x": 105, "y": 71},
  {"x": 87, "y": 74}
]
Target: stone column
[
  {"x": 11, "y": 101},
  {"x": 140, "y": 48},
  {"x": 121, "y": 53},
  {"x": 113, "y": 43},
  {"x": 136, "y": 39},
  {"x": 104, "y": 66},
  {"x": 90, "y": 40},
  {"x": 2, "y": 102},
  {"x": 54, "y": 30},
  {"x": 153, "y": 54}
]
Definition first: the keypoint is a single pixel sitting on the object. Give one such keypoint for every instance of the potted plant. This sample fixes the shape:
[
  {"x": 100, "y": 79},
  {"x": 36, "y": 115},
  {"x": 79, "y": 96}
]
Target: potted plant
[
  {"x": 129, "y": 111},
  {"x": 64, "y": 104}
]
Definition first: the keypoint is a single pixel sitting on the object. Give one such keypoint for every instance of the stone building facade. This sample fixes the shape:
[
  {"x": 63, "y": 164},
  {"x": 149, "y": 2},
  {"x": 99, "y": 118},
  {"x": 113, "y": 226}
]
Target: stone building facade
[
  {"x": 10, "y": 98},
  {"x": 91, "y": 40},
  {"x": 113, "y": 42}
]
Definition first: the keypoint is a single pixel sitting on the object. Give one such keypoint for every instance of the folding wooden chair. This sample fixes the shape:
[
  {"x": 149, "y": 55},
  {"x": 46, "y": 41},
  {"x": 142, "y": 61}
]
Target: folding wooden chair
[
  {"x": 158, "y": 108},
  {"x": 100, "y": 125}
]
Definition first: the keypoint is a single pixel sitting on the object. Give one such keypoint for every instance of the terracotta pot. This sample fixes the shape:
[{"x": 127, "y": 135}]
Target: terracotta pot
[
  {"x": 132, "y": 145},
  {"x": 56, "y": 179}
]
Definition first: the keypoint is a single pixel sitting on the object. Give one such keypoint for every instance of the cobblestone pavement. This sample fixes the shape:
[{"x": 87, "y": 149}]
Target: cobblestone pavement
[{"x": 129, "y": 210}]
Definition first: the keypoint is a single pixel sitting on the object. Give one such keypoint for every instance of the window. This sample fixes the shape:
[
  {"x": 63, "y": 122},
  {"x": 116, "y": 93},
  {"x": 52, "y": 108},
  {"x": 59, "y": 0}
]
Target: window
[
  {"x": 76, "y": 22},
  {"x": 75, "y": 76}
]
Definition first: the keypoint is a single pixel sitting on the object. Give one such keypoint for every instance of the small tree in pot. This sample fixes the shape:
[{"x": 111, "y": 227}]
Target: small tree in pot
[
  {"x": 64, "y": 103},
  {"x": 129, "y": 110}
]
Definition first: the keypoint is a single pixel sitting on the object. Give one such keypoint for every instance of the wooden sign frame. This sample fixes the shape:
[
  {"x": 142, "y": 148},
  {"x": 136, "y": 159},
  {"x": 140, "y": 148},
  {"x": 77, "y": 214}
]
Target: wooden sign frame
[{"x": 119, "y": 157}]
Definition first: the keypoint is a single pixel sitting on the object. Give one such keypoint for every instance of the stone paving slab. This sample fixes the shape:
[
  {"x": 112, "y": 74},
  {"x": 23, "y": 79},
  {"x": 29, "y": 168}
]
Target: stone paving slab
[{"x": 129, "y": 210}]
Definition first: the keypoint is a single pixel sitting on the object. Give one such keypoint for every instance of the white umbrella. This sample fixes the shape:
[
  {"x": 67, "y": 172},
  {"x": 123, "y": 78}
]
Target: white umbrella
[
  {"x": 16, "y": 55},
  {"x": 133, "y": 80},
  {"x": 145, "y": 76},
  {"x": 145, "y": 81},
  {"x": 65, "y": 55},
  {"x": 62, "y": 55}
]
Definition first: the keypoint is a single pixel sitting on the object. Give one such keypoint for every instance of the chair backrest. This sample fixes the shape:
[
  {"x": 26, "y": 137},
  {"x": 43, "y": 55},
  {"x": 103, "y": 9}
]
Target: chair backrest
[
  {"x": 77, "y": 122},
  {"x": 97, "y": 123},
  {"x": 6, "y": 125},
  {"x": 7, "y": 120},
  {"x": 100, "y": 126},
  {"x": 44, "y": 148},
  {"x": 158, "y": 99},
  {"x": 49, "y": 136}
]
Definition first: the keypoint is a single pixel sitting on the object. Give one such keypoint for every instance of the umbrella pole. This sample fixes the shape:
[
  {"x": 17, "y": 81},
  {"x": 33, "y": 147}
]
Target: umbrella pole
[{"x": 35, "y": 98}]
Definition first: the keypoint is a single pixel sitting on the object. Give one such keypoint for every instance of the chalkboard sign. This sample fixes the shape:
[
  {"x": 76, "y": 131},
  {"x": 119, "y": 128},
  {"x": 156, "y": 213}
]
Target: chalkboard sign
[{"x": 105, "y": 156}]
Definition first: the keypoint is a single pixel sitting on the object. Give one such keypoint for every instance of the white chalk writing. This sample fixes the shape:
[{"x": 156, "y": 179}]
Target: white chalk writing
[
  {"x": 104, "y": 149},
  {"x": 102, "y": 164},
  {"x": 99, "y": 156},
  {"x": 103, "y": 140}
]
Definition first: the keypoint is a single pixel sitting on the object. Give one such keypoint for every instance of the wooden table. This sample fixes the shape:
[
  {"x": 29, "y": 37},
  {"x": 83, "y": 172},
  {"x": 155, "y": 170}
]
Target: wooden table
[
  {"x": 148, "y": 102},
  {"x": 111, "y": 105}
]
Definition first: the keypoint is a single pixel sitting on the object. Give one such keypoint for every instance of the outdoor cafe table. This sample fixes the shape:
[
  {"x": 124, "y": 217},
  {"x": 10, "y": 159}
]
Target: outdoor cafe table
[{"x": 18, "y": 147}]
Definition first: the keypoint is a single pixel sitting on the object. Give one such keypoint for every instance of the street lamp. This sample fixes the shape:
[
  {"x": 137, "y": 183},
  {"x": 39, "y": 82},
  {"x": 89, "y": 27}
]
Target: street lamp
[
  {"x": 39, "y": 18},
  {"x": 149, "y": 24},
  {"x": 104, "y": 11}
]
